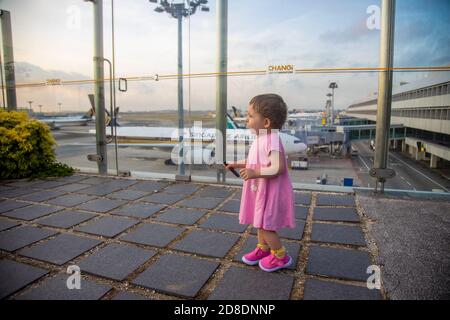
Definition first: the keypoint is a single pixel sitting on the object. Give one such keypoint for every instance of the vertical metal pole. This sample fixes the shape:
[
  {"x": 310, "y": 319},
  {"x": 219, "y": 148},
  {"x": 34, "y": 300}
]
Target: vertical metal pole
[
  {"x": 100, "y": 126},
  {"x": 3, "y": 84},
  {"x": 221, "y": 84},
  {"x": 332, "y": 106},
  {"x": 114, "y": 115},
  {"x": 181, "y": 171},
  {"x": 384, "y": 87},
  {"x": 8, "y": 60}
]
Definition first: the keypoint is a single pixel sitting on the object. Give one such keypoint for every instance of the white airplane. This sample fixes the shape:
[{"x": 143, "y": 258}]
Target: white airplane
[
  {"x": 70, "y": 121},
  {"x": 199, "y": 143},
  {"x": 305, "y": 115}
]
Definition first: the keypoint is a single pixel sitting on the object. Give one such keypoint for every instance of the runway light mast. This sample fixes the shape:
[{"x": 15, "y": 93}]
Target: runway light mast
[{"x": 179, "y": 9}]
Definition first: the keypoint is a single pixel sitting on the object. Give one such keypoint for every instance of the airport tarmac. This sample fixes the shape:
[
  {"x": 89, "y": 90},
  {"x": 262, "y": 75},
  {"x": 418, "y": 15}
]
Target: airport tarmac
[{"x": 75, "y": 143}]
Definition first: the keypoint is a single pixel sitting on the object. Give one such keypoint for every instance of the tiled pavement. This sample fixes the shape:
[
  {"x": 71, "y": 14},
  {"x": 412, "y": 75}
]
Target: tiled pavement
[{"x": 170, "y": 240}]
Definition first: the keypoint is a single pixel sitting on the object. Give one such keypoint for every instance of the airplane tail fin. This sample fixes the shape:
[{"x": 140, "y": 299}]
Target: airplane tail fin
[
  {"x": 109, "y": 121},
  {"x": 91, "y": 111},
  {"x": 236, "y": 112},
  {"x": 231, "y": 124}
]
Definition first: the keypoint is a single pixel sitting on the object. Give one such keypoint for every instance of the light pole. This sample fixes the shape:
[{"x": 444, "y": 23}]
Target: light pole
[
  {"x": 59, "y": 104},
  {"x": 179, "y": 9},
  {"x": 329, "y": 95},
  {"x": 40, "y": 108},
  {"x": 8, "y": 60},
  {"x": 30, "y": 102},
  {"x": 332, "y": 86}
]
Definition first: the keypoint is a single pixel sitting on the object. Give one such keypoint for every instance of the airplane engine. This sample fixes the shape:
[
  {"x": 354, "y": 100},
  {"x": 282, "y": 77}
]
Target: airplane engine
[{"x": 194, "y": 155}]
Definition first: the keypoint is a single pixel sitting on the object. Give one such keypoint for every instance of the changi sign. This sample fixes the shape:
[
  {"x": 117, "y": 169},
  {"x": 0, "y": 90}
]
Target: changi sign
[
  {"x": 53, "y": 82},
  {"x": 284, "y": 68}
]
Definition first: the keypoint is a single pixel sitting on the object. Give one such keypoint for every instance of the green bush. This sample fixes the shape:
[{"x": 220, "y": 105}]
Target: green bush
[{"x": 27, "y": 148}]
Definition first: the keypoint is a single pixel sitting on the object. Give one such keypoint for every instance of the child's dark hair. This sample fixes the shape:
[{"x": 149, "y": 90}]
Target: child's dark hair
[{"x": 271, "y": 106}]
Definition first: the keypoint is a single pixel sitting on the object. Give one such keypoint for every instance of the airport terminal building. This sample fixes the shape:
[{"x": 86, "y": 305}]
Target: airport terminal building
[{"x": 423, "y": 108}]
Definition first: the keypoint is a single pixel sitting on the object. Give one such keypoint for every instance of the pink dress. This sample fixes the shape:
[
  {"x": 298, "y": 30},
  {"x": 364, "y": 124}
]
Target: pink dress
[{"x": 267, "y": 203}]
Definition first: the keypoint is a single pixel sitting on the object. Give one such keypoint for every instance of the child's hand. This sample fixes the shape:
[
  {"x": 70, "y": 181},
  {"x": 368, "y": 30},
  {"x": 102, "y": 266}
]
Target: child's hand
[{"x": 247, "y": 173}]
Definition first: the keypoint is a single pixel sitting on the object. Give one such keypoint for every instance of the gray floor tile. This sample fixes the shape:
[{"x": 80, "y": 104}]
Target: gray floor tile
[
  {"x": 336, "y": 214},
  {"x": 337, "y": 234},
  {"x": 170, "y": 273},
  {"x": 61, "y": 249},
  {"x": 246, "y": 284},
  {"x": 8, "y": 205},
  {"x": 164, "y": 198},
  {"x": 335, "y": 200},
  {"x": 139, "y": 210},
  {"x": 231, "y": 206},
  {"x": 15, "y": 276},
  {"x": 340, "y": 263},
  {"x": 207, "y": 243},
  {"x": 182, "y": 188},
  {"x": 72, "y": 187},
  {"x": 100, "y": 189},
  {"x": 115, "y": 261},
  {"x": 150, "y": 186},
  {"x": 238, "y": 195},
  {"x": 302, "y": 198},
  {"x": 107, "y": 226},
  {"x": 95, "y": 180},
  {"x": 101, "y": 205},
  {"x": 66, "y": 219},
  {"x": 43, "y": 195},
  {"x": 72, "y": 179},
  {"x": 48, "y": 184},
  {"x": 71, "y": 200},
  {"x": 7, "y": 224},
  {"x": 32, "y": 212},
  {"x": 153, "y": 234},
  {"x": 121, "y": 183},
  {"x": 301, "y": 212},
  {"x": 16, "y": 192},
  {"x": 200, "y": 203},
  {"x": 55, "y": 288},
  {"x": 215, "y": 192},
  {"x": 223, "y": 222},
  {"x": 17, "y": 238},
  {"x": 127, "y": 194},
  {"x": 181, "y": 216}
]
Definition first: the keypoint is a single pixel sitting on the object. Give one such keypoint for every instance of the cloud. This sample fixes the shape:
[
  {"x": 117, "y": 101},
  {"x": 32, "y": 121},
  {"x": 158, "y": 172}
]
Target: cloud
[{"x": 356, "y": 32}]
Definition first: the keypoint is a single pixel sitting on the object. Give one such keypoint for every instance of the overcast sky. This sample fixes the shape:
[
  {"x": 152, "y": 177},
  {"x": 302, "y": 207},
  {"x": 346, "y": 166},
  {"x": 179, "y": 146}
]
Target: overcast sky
[{"x": 54, "y": 39}]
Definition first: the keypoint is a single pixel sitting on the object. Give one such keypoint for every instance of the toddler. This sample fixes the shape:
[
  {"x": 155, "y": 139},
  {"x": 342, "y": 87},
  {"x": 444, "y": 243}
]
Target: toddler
[{"x": 267, "y": 196}]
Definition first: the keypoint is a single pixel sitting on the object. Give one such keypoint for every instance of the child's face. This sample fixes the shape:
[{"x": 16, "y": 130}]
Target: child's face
[{"x": 255, "y": 121}]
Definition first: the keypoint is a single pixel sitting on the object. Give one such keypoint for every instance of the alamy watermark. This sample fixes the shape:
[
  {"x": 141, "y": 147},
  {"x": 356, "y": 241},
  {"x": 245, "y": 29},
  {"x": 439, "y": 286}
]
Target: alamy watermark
[
  {"x": 374, "y": 280},
  {"x": 74, "y": 280},
  {"x": 373, "y": 21}
]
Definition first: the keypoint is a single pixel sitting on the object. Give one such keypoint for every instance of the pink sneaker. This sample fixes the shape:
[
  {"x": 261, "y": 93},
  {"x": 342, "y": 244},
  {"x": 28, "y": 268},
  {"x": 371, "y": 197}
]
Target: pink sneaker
[
  {"x": 253, "y": 257},
  {"x": 272, "y": 263}
]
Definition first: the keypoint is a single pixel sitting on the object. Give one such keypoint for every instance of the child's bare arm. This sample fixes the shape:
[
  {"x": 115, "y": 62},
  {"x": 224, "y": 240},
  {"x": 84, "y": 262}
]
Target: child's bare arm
[
  {"x": 237, "y": 164},
  {"x": 275, "y": 169}
]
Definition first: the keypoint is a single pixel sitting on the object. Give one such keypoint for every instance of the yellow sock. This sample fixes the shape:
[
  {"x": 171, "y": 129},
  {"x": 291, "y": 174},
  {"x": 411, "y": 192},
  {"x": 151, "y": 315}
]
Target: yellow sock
[
  {"x": 263, "y": 247},
  {"x": 280, "y": 253}
]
